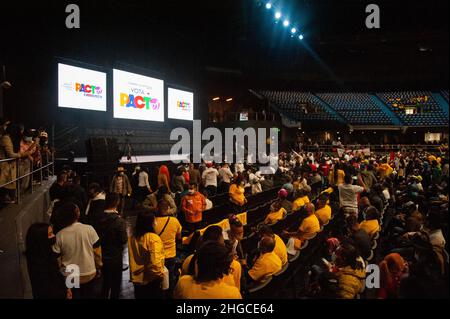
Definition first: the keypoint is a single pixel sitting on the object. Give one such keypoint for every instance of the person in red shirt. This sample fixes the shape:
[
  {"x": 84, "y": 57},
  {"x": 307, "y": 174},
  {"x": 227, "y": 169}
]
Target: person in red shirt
[
  {"x": 325, "y": 168},
  {"x": 312, "y": 166}
]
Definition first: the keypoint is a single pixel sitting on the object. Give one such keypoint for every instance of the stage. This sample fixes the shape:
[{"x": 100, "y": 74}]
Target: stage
[{"x": 139, "y": 159}]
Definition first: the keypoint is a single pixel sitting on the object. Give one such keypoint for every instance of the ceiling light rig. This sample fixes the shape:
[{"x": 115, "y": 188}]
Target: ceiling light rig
[{"x": 286, "y": 23}]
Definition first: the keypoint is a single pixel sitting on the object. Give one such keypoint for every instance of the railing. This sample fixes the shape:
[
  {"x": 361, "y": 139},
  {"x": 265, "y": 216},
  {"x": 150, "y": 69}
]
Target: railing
[
  {"x": 375, "y": 148},
  {"x": 39, "y": 170},
  {"x": 236, "y": 117}
]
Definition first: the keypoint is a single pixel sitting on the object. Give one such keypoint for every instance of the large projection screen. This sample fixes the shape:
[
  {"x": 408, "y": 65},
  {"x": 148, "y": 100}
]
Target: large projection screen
[
  {"x": 137, "y": 97},
  {"x": 81, "y": 88},
  {"x": 180, "y": 104}
]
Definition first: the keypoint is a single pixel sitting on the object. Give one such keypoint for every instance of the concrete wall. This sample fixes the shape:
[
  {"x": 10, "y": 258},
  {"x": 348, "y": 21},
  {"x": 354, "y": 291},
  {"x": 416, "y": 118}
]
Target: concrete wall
[{"x": 14, "y": 223}]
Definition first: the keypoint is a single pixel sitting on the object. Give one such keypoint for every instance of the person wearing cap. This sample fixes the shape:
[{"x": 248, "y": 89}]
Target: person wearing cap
[{"x": 121, "y": 185}]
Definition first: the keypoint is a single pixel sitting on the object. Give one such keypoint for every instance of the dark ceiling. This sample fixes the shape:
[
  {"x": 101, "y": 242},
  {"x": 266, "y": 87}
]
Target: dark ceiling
[{"x": 229, "y": 45}]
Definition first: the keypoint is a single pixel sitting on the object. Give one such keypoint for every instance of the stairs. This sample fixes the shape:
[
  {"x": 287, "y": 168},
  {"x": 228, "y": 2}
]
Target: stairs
[
  {"x": 394, "y": 119},
  {"x": 329, "y": 109},
  {"x": 443, "y": 104}
]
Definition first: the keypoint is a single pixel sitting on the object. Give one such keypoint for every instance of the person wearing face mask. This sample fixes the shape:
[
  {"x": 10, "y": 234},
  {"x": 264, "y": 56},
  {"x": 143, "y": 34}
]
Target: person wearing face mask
[
  {"x": 47, "y": 282},
  {"x": 121, "y": 185},
  {"x": 193, "y": 205}
]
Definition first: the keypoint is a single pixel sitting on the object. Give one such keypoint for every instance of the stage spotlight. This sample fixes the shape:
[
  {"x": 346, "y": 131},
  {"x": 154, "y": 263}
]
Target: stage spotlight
[
  {"x": 278, "y": 15},
  {"x": 268, "y": 6},
  {"x": 286, "y": 23},
  {"x": 300, "y": 36},
  {"x": 293, "y": 30}
]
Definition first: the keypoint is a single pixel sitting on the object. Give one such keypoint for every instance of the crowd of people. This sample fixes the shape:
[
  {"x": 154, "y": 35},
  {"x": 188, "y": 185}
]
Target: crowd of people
[
  {"x": 21, "y": 151},
  {"x": 400, "y": 198}
]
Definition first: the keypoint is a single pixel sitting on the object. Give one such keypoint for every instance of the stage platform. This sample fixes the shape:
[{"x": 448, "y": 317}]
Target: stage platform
[{"x": 138, "y": 159}]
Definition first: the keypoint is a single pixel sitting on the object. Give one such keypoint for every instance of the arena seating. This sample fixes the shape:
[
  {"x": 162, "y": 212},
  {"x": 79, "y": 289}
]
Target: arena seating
[
  {"x": 429, "y": 113},
  {"x": 361, "y": 108},
  {"x": 288, "y": 104},
  {"x": 356, "y": 108},
  {"x": 445, "y": 95}
]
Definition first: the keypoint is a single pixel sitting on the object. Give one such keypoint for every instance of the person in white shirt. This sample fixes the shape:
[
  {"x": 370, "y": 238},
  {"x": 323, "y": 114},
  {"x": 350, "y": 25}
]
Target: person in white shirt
[
  {"x": 209, "y": 178},
  {"x": 78, "y": 248},
  {"x": 348, "y": 198},
  {"x": 239, "y": 168},
  {"x": 226, "y": 175},
  {"x": 255, "y": 182},
  {"x": 143, "y": 185},
  {"x": 208, "y": 202}
]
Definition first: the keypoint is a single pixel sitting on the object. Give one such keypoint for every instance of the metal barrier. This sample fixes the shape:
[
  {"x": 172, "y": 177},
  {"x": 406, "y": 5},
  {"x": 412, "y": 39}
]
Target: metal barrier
[
  {"x": 375, "y": 148},
  {"x": 31, "y": 173}
]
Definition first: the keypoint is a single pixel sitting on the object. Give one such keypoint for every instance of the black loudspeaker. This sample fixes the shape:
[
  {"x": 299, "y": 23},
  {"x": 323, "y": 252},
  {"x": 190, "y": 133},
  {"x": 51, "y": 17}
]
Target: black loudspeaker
[{"x": 103, "y": 150}]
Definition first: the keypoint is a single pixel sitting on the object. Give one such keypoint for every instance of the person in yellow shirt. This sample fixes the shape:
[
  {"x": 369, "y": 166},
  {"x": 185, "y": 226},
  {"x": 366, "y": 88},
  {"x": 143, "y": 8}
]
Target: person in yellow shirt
[
  {"x": 280, "y": 247},
  {"x": 267, "y": 264},
  {"x": 236, "y": 194},
  {"x": 302, "y": 199},
  {"x": 277, "y": 212},
  {"x": 309, "y": 227},
  {"x": 168, "y": 228},
  {"x": 146, "y": 253},
  {"x": 432, "y": 158},
  {"x": 214, "y": 233},
  {"x": 385, "y": 169},
  {"x": 371, "y": 224},
  {"x": 336, "y": 175},
  {"x": 323, "y": 211},
  {"x": 213, "y": 263}
]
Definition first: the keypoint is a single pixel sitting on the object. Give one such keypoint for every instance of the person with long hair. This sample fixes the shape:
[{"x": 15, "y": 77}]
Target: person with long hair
[
  {"x": 168, "y": 228},
  {"x": 213, "y": 234},
  {"x": 146, "y": 252},
  {"x": 162, "y": 193},
  {"x": 336, "y": 175},
  {"x": 213, "y": 264},
  {"x": 349, "y": 270},
  {"x": 8, "y": 170},
  {"x": 393, "y": 268},
  {"x": 47, "y": 282},
  {"x": 164, "y": 177}
]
